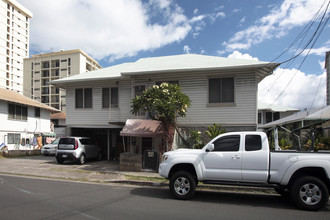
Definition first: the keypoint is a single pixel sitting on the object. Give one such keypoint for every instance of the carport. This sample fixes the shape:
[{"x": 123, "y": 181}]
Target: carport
[{"x": 107, "y": 138}]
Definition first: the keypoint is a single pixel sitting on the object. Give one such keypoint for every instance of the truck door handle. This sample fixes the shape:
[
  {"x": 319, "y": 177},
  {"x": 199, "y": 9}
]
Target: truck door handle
[{"x": 236, "y": 157}]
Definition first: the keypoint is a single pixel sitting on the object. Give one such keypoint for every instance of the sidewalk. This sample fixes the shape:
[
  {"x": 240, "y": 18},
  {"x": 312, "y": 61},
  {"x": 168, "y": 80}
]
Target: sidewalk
[{"x": 94, "y": 171}]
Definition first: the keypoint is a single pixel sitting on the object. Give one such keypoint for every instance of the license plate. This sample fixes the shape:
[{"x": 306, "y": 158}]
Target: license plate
[{"x": 64, "y": 155}]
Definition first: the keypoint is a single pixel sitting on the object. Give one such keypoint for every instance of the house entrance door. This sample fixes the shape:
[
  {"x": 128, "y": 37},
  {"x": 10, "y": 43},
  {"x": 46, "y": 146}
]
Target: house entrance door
[{"x": 146, "y": 144}]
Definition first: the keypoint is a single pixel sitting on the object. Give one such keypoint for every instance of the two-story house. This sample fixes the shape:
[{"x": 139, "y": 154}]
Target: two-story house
[
  {"x": 22, "y": 119},
  {"x": 221, "y": 90}
]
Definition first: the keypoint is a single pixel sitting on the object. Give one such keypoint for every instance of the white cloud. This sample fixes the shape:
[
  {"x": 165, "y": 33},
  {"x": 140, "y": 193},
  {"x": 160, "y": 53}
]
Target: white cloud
[
  {"x": 220, "y": 14},
  {"x": 300, "y": 93},
  {"x": 195, "y": 11},
  {"x": 322, "y": 64},
  {"x": 318, "y": 51},
  {"x": 290, "y": 14},
  {"x": 236, "y": 10},
  {"x": 237, "y": 55},
  {"x": 105, "y": 28},
  {"x": 186, "y": 49},
  {"x": 242, "y": 20}
]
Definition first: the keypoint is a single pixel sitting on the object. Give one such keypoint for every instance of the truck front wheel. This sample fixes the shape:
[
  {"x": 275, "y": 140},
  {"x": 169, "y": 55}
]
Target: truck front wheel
[
  {"x": 309, "y": 193},
  {"x": 182, "y": 185}
]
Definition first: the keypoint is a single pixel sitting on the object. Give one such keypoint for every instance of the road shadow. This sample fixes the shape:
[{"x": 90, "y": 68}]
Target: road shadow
[{"x": 229, "y": 198}]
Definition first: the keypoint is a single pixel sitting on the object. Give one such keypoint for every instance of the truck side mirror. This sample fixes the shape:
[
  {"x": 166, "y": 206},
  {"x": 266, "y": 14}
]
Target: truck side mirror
[{"x": 209, "y": 147}]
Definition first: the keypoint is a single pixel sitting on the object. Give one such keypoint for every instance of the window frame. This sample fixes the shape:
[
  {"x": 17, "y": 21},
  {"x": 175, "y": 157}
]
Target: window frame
[
  {"x": 13, "y": 138},
  {"x": 141, "y": 112},
  {"x": 83, "y": 102},
  {"x": 17, "y": 112},
  {"x": 221, "y": 103},
  {"x": 108, "y": 101},
  {"x": 227, "y": 137},
  {"x": 37, "y": 112},
  {"x": 248, "y": 143}
]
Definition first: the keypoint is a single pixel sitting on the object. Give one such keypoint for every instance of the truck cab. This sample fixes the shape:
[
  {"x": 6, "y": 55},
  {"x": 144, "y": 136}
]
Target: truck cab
[{"x": 245, "y": 158}]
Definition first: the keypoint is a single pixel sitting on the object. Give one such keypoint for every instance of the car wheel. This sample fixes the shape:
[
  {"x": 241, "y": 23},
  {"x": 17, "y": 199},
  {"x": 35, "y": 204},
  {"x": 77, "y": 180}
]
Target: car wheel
[
  {"x": 182, "y": 185},
  {"x": 99, "y": 156},
  {"x": 59, "y": 161},
  {"x": 309, "y": 193},
  {"x": 82, "y": 159}
]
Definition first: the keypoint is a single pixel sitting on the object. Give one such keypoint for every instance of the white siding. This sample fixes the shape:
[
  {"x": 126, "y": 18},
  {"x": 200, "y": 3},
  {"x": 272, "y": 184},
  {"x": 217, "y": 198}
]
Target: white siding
[
  {"x": 98, "y": 116},
  {"x": 27, "y": 128},
  {"x": 195, "y": 85}
]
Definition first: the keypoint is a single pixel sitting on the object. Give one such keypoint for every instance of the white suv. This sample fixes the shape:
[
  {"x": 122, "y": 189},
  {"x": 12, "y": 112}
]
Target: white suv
[{"x": 77, "y": 149}]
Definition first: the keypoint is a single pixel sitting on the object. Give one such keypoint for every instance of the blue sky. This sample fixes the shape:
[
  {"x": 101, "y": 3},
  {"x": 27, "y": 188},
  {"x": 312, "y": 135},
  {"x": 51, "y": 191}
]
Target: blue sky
[{"x": 118, "y": 31}]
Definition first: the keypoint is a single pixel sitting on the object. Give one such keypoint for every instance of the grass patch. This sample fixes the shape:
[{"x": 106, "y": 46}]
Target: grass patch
[{"x": 145, "y": 178}]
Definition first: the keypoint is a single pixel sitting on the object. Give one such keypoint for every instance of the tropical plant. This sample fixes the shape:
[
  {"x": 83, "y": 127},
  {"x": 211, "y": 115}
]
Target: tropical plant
[
  {"x": 195, "y": 140},
  {"x": 163, "y": 103},
  {"x": 214, "y": 130}
]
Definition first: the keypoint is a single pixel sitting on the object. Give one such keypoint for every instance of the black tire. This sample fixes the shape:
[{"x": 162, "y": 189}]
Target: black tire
[
  {"x": 182, "y": 185},
  {"x": 99, "y": 156},
  {"x": 59, "y": 161},
  {"x": 82, "y": 159},
  {"x": 283, "y": 192},
  {"x": 309, "y": 193}
]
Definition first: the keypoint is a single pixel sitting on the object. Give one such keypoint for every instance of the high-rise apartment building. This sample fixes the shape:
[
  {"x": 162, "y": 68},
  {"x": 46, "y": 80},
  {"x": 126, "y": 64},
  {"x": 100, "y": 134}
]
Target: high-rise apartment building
[
  {"x": 40, "y": 69},
  {"x": 14, "y": 43}
]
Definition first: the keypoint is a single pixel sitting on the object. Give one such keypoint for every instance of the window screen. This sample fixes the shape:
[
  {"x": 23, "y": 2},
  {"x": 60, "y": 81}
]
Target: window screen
[
  {"x": 105, "y": 98},
  {"x": 114, "y": 97},
  {"x": 79, "y": 98},
  {"x": 88, "y": 98},
  {"x": 221, "y": 90}
]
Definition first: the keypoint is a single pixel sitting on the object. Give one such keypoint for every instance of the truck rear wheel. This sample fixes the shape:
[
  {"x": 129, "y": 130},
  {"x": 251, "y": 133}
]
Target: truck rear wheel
[
  {"x": 309, "y": 193},
  {"x": 182, "y": 185}
]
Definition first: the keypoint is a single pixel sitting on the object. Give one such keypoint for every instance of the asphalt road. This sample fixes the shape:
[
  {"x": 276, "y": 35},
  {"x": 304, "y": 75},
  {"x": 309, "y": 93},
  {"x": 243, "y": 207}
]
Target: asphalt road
[{"x": 29, "y": 198}]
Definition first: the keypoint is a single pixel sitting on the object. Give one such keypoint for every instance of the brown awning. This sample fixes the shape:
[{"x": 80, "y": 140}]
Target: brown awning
[{"x": 142, "y": 128}]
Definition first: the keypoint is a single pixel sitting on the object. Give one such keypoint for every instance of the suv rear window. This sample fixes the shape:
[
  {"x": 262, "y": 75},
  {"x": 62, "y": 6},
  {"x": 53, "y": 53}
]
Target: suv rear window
[{"x": 67, "y": 141}]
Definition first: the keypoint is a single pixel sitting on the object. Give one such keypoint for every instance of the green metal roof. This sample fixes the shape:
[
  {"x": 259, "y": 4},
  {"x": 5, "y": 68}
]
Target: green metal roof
[{"x": 175, "y": 63}]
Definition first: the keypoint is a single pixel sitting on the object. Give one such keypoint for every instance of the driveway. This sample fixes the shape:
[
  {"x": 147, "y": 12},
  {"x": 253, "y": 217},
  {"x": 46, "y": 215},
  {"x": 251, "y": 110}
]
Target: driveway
[{"x": 46, "y": 166}]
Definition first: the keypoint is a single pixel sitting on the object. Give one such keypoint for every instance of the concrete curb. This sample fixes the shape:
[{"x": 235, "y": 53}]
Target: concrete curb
[{"x": 202, "y": 186}]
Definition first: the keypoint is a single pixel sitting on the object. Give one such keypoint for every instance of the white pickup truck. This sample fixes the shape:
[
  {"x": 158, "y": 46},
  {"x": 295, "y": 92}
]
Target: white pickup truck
[{"x": 244, "y": 158}]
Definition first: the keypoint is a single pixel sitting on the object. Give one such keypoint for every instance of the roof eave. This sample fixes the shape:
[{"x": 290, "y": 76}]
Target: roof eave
[
  {"x": 265, "y": 70},
  {"x": 61, "y": 83}
]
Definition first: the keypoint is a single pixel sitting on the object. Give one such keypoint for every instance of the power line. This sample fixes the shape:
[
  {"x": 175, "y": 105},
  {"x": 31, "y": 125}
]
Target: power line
[
  {"x": 301, "y": 36},
  {"x": 311, "y": 41}
]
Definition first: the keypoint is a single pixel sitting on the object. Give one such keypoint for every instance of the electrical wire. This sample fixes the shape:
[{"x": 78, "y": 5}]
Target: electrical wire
[{"x": 311, "y": 41}]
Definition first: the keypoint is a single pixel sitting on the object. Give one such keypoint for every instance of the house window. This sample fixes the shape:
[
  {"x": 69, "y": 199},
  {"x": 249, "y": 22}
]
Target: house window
[
  {"x": 84, "y": 98},
  {"x": 221, "y": 90},
  {"x": 14, "y": 138},
  {"x": 37, "y": 112},
  {"x": 276, "y": 116},
  {"x": 269, "y": 117},
  {"x": 110, "y": 96},
  {"x": 114, "y": 97},
  {"x": 105, "y": 98},
  {"x": 259, "y": 118},
  {"x": 17, "y": 112},
  {"x": 138, "y": 90}
]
